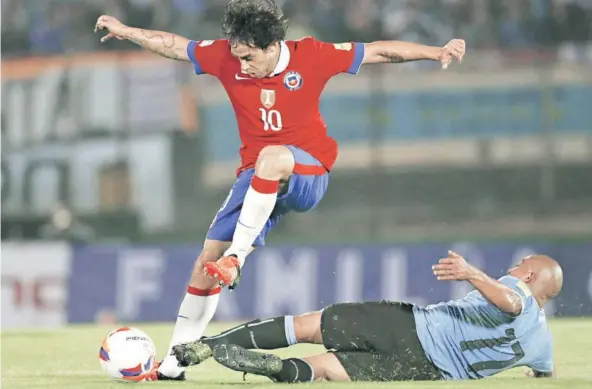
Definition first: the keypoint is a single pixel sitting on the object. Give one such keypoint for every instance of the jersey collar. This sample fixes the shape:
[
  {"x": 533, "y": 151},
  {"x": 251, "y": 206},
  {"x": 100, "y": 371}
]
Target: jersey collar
[{"x": 283, "y": 61}]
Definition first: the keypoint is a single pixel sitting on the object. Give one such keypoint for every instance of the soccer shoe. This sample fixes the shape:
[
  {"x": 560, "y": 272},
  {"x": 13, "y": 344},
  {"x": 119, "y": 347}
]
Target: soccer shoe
[
  {"x": 226, "y": 270},
  {"x": 155, "y": 375},
  {"x": 240, "y": 359},
  {"x": 192, "y": 353}
]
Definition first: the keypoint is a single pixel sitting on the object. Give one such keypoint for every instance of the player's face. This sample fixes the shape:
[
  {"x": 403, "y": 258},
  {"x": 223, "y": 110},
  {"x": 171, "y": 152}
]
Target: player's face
[
  {"x": 522, "y": 270},
  {"x": 254, "y": 61}
]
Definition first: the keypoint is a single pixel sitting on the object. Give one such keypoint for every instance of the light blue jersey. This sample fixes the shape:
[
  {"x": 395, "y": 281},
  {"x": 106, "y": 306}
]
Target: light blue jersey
[{"x": 471, "y": 338}]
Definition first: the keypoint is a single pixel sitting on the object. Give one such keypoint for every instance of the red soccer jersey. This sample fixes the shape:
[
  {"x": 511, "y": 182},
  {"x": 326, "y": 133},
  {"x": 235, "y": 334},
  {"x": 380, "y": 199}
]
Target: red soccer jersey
[{"x": 282, "y": 109}]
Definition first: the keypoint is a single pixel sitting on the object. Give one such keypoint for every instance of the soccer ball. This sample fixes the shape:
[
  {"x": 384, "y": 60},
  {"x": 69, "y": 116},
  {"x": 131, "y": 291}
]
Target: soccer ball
[{"x": 127, "y": 354}]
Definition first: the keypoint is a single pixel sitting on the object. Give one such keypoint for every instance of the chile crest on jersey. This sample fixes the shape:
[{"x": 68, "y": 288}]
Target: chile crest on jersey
[{"x": 293, "y": 80}]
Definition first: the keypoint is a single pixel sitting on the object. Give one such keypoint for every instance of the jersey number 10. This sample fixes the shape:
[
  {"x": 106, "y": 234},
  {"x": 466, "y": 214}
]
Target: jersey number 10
[{"x": 272, "y": 119}]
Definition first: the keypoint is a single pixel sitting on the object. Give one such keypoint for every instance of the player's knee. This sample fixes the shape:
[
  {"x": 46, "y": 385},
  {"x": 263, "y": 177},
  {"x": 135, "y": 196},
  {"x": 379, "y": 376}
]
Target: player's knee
[
  {"x": 275, "y": 163},
  {"x": 198, "y": 278},
  {"x": 307, "y": 328},
  {"x": 205, "y": 257}
]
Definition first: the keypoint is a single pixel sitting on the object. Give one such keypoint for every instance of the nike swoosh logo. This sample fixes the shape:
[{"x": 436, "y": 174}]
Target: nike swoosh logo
[{"x": 241, "y": 78}]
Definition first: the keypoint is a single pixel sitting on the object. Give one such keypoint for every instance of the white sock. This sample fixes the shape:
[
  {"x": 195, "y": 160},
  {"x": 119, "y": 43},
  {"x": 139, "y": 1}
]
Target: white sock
[
  {"x": 196, "y": 311},
  {"x": 258, "y": 205}
]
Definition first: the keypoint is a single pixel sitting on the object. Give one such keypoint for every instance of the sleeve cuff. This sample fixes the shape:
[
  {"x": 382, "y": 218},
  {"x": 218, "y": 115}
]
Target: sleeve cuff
[
  {"x": 359, "y": 49},
  {"x": 191, "y": 54}
]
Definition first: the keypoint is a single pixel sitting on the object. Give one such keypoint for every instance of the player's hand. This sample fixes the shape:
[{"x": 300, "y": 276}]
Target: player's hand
[
  {"x": 453, "y": 268},
  {"x": 455, "y": 49},
  {"x": 113, "y": 25}
]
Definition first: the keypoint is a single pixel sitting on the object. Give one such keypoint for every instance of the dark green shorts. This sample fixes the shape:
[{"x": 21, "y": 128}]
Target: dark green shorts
[{"x": 376, "y": 341}]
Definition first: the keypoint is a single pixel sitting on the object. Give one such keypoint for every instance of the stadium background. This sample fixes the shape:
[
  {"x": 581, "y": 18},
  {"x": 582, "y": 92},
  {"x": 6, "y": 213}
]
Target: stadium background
[{"x": 115, "y": 161}]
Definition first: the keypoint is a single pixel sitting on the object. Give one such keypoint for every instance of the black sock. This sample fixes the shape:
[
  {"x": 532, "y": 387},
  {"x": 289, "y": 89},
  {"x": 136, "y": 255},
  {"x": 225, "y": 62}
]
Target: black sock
[
  {"x": 295, "y": 370},
  {"x": 268, "y": 334}
]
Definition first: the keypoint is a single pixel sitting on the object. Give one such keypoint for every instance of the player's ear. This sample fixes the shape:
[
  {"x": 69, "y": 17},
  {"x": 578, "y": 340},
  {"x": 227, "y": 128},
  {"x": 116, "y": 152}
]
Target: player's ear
[{"x": 530, "y": 277}]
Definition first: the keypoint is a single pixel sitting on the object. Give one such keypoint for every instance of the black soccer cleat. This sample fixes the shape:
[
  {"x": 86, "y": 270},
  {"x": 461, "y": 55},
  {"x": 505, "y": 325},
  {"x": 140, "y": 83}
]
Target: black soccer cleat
[
  {"x": 193, "y": 353},
  {"x": 240, "y": 359}
]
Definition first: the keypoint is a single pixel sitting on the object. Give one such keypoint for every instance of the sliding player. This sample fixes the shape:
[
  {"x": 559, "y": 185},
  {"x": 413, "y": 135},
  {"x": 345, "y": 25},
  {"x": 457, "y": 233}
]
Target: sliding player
[{"x": 498, "y": 326}]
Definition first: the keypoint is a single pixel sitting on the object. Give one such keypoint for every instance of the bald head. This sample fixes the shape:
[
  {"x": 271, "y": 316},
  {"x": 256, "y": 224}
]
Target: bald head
[{"x": 542, "y": 274}]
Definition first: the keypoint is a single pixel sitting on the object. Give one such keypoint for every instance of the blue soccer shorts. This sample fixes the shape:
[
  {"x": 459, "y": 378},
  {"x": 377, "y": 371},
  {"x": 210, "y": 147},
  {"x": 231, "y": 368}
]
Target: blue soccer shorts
[{"x": 306, "y": 188}]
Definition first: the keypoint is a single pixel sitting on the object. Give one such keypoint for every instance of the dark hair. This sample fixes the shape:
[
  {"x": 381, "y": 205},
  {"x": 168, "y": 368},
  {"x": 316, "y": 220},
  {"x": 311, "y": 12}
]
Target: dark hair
[{"x": 256, "y": 23}]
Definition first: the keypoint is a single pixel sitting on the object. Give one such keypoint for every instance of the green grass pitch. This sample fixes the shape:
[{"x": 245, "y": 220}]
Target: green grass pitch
[{"x": 68, "y": 358}]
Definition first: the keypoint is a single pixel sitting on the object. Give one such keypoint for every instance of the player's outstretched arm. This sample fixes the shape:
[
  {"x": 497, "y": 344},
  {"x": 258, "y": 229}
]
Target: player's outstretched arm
[
  {"x": 400, "y": 51},
  {"x": 163, "y": 43},
  {"x": 456, "y": 268},
  {"x": 500, "y": 295}
]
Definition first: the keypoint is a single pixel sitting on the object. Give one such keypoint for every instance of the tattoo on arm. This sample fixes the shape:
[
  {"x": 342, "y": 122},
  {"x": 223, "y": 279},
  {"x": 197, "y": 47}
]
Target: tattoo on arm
[
  {"x": 161, "y": 43},
  {"x": 516, "y": 301},
  {"x": 167, "y": 45},
  {"x": 393, "y": 57}
]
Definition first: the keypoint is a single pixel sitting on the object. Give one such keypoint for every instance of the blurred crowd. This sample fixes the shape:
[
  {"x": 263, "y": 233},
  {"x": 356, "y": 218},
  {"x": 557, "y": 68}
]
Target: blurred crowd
[{"x": 44, "y": 27}]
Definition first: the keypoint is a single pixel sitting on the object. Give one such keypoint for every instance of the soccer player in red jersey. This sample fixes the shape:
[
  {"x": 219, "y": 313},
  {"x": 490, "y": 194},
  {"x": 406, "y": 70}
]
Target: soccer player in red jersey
[{"x": 274, "y": 86}]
